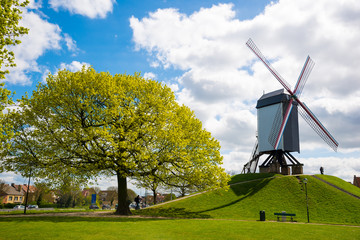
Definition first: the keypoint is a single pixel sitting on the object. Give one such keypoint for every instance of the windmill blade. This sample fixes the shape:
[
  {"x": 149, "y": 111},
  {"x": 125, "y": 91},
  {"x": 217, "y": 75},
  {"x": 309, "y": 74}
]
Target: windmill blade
[
  {"x": 281, "y": 129},
  {"x": 257, "y": 52},
  {"x": 305, "y": 72},
  {"x": 316, "y": 125},
  {"x": 275, "y": 129}
]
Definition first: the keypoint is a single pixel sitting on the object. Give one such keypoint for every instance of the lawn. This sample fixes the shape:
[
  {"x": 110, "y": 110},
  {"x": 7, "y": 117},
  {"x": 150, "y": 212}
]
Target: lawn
[
  {"x": 41, "y": 227},
  {"x": 218, "y": 214},
  {"x": 341, "y": 183},
  {"x": 245, "y": 201}
]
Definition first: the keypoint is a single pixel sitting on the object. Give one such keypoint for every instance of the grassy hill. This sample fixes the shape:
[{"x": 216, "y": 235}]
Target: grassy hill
[{"x": 252, "y": 193}]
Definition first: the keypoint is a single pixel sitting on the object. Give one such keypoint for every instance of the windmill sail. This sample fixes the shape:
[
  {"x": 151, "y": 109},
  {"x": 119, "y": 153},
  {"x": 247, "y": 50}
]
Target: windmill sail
[
  {"x": 257, "y": 52},
  {"x": 316, "y": 125},
  {"x": 305, "y": 72}
]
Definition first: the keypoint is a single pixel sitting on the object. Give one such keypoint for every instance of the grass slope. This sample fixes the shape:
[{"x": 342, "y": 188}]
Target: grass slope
[
  {"x": 244, "y": 201},
  {"x": 341, "y": 183}
]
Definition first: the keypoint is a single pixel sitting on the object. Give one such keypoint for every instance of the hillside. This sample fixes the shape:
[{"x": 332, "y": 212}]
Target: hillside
[{"x": 271, "y": 193}]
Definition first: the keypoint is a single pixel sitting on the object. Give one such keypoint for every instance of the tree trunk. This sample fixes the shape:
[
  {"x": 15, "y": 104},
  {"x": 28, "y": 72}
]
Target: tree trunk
[
  {"x": 123, "y": 206},
  {"x": 154, "y": 192}
]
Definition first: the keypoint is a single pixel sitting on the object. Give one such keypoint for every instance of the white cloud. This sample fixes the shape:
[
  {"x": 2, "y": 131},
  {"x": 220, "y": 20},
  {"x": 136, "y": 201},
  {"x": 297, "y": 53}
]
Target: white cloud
[
  {"x": 33, "y": 4},
  {"x": 88, "y": 8},
  {"x": 74, "y": 66},
  {"x": 222, "y": 79},
  {"x": 42, "y": 36},
  {"x": 150, "y": 75},
  {"x": 70, "y": 43}
]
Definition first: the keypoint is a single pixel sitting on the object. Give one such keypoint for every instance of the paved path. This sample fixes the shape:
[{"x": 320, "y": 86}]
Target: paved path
[{"x": 336, "y": 187}]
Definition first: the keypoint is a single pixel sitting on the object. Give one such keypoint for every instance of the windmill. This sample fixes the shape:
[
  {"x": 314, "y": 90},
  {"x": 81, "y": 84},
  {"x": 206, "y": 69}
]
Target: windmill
[{"x": 278, "y": 130}]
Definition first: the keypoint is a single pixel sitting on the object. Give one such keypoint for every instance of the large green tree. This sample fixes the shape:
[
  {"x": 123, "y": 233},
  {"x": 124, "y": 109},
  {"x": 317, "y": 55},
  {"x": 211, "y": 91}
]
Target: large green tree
[
  {"x": 185, "y": 156},
  {"x": 93, "y": 123}
]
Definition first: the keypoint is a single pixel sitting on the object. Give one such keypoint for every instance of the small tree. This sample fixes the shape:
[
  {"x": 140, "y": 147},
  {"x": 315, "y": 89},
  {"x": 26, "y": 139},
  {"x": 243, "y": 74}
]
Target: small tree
[{"x": 112, "y": 194}]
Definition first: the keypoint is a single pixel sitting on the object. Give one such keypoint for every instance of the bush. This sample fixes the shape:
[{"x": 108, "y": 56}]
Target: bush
[
  {"x": 8, "y": 205},
  {"x": 49, "y": 205}
]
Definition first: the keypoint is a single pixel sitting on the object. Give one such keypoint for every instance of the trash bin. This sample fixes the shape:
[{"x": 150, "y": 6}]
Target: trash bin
[
  {"x": 283, "y": 219},
  {"x": 262, "y": 215}
]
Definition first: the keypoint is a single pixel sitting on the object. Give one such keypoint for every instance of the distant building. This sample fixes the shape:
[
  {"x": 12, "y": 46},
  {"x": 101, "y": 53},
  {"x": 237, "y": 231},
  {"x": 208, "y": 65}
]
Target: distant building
[
  {"x": 16, "y": 193},
  {"x": 356, "y": 181},
  {"x": 108, "y": 197},
  {"x": 87, "y": 192},
  {"x": 11, "y": 194}
]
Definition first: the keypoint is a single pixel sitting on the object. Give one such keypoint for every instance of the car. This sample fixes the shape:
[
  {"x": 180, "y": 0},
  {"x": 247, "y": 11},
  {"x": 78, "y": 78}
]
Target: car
[
  {"x": 32, "y": 206},
  {"x": 106, "y": 206},
  {"x": 19, "y": 207},
  {"x": 94, "y": 206}
]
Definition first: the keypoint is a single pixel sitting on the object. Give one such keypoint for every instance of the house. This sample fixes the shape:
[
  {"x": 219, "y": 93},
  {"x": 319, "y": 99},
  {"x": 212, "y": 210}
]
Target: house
[
  {"x": 108, "y": 197},
  {"x": 356, "y": 181},
  {"x": 11, "y": 194},
  {"x": 87, "y": 192}
]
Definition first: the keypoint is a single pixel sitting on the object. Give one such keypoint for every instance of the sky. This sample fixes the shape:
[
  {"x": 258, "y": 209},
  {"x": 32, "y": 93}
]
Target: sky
[{"x": 198, "y": 49}]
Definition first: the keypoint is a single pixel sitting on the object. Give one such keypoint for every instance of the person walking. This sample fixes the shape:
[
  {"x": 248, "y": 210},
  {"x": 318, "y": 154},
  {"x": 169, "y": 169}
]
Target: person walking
[{"x": 137, "y": 201}]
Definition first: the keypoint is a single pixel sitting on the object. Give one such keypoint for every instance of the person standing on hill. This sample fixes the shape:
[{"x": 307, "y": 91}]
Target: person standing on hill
[{"x": 321, "y": 170}]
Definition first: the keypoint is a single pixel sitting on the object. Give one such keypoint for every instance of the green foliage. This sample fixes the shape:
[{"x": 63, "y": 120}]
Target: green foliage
[
  {"x": 250, "y": 176},
  {"x": 69, "y": 192},
  {"x": 245, "y": 201},
  {"x": 10, "y": 31},
  {"x": 131, "y": 195},
  {"x": 8, "y": 205},
  {"x": 169, "y": 197},
  {"x": 84, "y": 124}
]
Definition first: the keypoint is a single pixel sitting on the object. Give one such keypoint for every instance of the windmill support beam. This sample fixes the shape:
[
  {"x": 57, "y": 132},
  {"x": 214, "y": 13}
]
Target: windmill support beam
[{"x": 280, "y": 162}]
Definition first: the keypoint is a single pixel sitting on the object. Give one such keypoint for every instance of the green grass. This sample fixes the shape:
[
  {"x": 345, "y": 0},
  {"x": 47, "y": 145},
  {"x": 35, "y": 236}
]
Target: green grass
[
  {"x": 341, "y": 183},
  {"x": 251, "y": 176},
  {"x": 54, "y": 228},
  {"x": 245, "y": 201},
  {"x": 56, "y": 210},
  {"x": 231, "y": 214}
]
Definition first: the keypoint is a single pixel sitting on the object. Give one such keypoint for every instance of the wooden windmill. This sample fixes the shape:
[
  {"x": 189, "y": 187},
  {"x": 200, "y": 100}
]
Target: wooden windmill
[{"x": 278, "y": 128}]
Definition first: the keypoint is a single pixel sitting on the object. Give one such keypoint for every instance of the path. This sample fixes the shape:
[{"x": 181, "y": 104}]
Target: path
[{"x": 336, "y": 187}]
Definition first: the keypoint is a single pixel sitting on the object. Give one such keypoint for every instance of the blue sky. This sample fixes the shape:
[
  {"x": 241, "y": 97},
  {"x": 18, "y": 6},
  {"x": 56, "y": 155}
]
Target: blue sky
[
  {"x": 198, "y": 49},
  {"x": 106, "y": 41}
]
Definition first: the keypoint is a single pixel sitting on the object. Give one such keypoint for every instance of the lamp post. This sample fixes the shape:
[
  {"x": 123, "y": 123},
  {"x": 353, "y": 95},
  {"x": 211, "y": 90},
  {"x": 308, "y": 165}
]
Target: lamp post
[
  {"x": 307, "y": 205},
  {"x": 27, "y": 192}
]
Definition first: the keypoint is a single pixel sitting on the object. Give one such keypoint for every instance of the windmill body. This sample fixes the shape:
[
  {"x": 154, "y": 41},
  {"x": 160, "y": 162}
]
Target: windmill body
[
  {"x": 271, "y": 108},
  {"x": 278, "y": 128}
]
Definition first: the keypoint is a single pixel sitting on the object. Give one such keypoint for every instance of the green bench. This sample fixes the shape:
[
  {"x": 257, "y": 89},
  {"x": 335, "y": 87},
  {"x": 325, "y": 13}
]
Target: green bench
[{"x": 286, "y": 215}]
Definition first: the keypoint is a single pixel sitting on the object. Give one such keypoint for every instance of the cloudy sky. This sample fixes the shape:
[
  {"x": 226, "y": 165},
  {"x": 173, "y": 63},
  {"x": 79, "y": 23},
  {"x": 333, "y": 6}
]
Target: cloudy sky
[{"x": 198, "y": 49}]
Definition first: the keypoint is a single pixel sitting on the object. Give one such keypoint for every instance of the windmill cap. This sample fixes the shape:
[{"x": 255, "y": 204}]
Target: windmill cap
[{"x": 271, "y": 98}]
